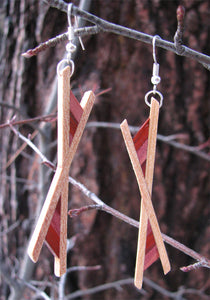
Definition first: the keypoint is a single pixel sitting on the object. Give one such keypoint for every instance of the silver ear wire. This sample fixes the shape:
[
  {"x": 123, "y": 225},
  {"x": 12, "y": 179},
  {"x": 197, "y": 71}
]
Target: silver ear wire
[
  {"x": 153, "y": 47},
  {"x": 70, "y": 47},
  {"x": 71, "y": 27},
  {"x": 69, "y": 14},
  {"x": 155, "y": 75},
  {"x": 80, "y": 39}
]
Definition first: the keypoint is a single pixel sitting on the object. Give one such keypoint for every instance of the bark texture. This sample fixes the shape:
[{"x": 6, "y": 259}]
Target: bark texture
[{"x": 181, "y": 189}]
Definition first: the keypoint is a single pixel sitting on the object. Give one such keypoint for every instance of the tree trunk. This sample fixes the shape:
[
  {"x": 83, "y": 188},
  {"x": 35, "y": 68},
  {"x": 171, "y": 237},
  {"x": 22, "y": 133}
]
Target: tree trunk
[{"x": 181, "y": 181}]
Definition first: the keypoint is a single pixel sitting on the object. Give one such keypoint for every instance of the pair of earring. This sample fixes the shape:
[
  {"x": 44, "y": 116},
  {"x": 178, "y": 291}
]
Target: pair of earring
[{"x": 72, "y": 117}]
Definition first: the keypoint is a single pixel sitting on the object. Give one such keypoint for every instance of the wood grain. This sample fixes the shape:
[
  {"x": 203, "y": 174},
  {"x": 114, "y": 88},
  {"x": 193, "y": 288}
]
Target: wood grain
[
  {"x": 142, "y": 236},
  {"x": 145, "y": 196},
  {"x": 53, "y": 235},
  {"x": 58, "y": 182},
  {"x": 49, "y": 208},
  {"x": 60, "y": 261}
]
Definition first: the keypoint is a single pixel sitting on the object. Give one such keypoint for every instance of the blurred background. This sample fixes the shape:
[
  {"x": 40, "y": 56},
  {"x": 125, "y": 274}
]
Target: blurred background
[{"x": 181, "y": 189}]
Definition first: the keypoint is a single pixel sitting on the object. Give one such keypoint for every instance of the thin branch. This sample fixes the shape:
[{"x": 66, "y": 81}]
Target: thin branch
[
  {"x": 102, "y": 206},
  {"x": 175, "y": 244},
  {"x": 29, "y": 143},
  {"x": 161, "y": 290},
  {"x": 178, "y": 295},
  {"x": 22, "y": 147},
  {"x": 62, "y": 281},
  {"x": 47, "y": 118},
  {"x": 83, "y": 268},
  {"x": 10, "y": 228},
  {"x": 9, "y": 106},
  {"x": 167, "y": 139},
  {"x": 105, "y": 26},
  {"x": 174, "y": 295},
  {"x": 33, "y": 288},
  {"x": 75, "y": 212},
  {"x": 12, "y": 283},
  {"x": 180, "y": 29},
  {"x": 116, "y": 285},
  {"x": 200, "y": 293},
  {"x": 194, "y": 266},
  {"x": 59, "y": 39},
  {"x": 61, "y": 286}
]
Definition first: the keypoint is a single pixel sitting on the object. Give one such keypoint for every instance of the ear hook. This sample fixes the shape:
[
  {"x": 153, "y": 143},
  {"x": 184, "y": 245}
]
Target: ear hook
[
  {"x": 153, "y": 46},
  {"x": 71, "y": 28},
  {"x": 69, "y": 14},
  {"x": 155, "y": 75},
  {"x": 70, "y": 47}
]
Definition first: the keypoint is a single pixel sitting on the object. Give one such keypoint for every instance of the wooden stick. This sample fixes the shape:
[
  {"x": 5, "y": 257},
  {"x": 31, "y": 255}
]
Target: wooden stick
[
  {"x": 60, "y": 262},
  {"x": 87, "y": 104},
  {"x": 145, "y": 196},
  {"x": 63, "y": 123},
  {"x": 151, "y": 149},
  {"x": 63, "y": 118},
  {"x": 58, "y": 182}
]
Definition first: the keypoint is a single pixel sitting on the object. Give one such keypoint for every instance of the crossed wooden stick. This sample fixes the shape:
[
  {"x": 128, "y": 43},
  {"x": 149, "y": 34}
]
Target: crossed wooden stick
[
  {"x": 52, "y": 222},
  {"x": 137, "y": 150}
]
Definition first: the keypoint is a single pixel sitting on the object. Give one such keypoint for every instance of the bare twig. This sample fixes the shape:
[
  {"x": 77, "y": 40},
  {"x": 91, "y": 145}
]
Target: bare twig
[
  {"x": 10, "y": 106},
  {"x": 43, "y": 46},
  {"x": 102, "y": 206},
  {"x": 178, "y": 295},
  {"x": 22, "y": 147},
  {"x": 161, "y": 290},
  {"x": 27, "y": 141},
  {"x": 116, "y": 285},
  {"x": 5, "y": 272},
  {"x": 60, "y": 38},
  {"x": 175, "y": 244},
  {"x": 180, "y": 29},
  {"x": 10, "y": 228},
  {"x": 77, "y": 211},
  {"x": 83, "y": 268},
  {"x": 61, "y": 286},
  {"x": 62, "y": 281},
  {"x": 47, "y": 118},
  {"x": 105, "y": 26},
  {"x": 194, "y": 266},
  {"x": 167, "y": 139},
  {"x": 33, "y": 288},
  {"x": 199, "y": 293}
]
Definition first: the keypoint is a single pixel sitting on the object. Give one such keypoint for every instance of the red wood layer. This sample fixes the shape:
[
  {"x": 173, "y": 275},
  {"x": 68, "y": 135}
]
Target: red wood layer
[
  {"x": 152, "y": 253},
  {"x": 75, "y": 115},
  {"x": 53, "y": 234},
  {"x": 141, "y": 143}
]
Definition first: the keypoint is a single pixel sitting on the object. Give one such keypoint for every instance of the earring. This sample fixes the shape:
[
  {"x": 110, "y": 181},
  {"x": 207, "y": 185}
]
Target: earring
[
  {"x": 141, "y": 150},
  {"x": 51, "y": 226}
]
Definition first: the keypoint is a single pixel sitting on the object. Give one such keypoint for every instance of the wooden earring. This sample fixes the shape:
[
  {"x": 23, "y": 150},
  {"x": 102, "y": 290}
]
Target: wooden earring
[
  {"x": 141, "y": 150},
  {"x": 51, "y": 226},
  {"x": 52, "y": 223}
]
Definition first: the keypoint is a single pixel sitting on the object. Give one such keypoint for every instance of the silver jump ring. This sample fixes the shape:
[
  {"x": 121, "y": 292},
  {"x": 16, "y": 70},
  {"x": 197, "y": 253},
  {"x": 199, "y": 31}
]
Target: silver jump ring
[
  {"x": 67, "y": 62},
  {"x": 154, "y": 93}
]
